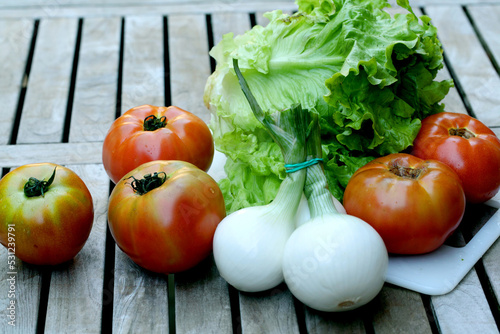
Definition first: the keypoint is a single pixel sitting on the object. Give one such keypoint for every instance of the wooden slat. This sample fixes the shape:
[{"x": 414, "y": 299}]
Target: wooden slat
[
  {"x": 456, "y": 314},
  {"x": 62, "y": 154},
  {"x": 77, "y": 288},
  {"x": 224, "y": 23},
  {"x": 490, "y": 260},
  {"x": 15, "y": 38},
  {"x": 201, "y": 298},
  {"x": 26, "y": 288},
  {"x": 272, "y": 309},
  {"x": 202, "y": 301},
  {"x": 452, "y": 101},
  {"x": 189, "y": 69},
  {"x": 143, "y": 65},
  {"x": 58, "y": 3},
  {"x": 177, "y": 7},
  {"x": 464, "y": 310},
  {"x": 453, "y": 312},
  {"x": 275, "y": 308},
  {"x": 44, "y": 111},
  {"x": 400, "y": 311},
  {"x": 189, "y": 62},
  {"x": 52, "y": 8},
  {"x": 486, "y": 19},
  {"x": 96, "y": 81},
  {"x": 140, "y": 298},
  {"x": 344, "y": 322},
  {"x": 75, "y": 298},
  {"x": 469, "y": 61}
]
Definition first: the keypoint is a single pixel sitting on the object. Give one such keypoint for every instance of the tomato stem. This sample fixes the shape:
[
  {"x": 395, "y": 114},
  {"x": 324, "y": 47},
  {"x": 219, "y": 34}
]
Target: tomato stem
[
  {"x": 461, "y": 132},
  {"x": 406, "y": 172},
  {"x": 148, "y": 183},
  {"x": 152, "y": 123},
  {"x": 35, "y": 187}
]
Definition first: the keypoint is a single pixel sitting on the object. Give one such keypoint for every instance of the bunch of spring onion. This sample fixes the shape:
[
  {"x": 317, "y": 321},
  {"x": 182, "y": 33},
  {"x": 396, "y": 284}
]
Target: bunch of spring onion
[
  {"x": 334, "y": 261},
  {"x": 331, "y": 262},
  {"x": 248, "y": 244}
]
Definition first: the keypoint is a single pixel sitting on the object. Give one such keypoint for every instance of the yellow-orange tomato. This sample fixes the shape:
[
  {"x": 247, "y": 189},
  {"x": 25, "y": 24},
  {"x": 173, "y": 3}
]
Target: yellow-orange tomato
[
  {"x": 148, "y": 133},
  {"x": 46, "y": 213},
  {"x": 163, "y": 215},
  {"x": 413, "y": 204}
]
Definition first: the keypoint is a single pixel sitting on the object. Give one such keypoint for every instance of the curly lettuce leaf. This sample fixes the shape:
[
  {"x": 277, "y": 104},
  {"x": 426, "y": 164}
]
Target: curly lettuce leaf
[{"x": 369, "y": 76}]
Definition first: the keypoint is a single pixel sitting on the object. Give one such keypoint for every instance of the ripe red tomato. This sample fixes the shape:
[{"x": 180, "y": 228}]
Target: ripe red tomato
[
  {"x": 466, "y": 145},
  {"x": 147, "y": 133},
  {"x": 163, "y": 215},
  {"x": 413, "y": 204},
  {"x": 46, "y": 213}
]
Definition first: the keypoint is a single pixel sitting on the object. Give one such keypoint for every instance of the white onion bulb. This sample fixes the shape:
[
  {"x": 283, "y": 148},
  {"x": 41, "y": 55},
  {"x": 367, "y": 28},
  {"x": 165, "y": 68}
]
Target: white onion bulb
[{"x": 335, "y": 262}]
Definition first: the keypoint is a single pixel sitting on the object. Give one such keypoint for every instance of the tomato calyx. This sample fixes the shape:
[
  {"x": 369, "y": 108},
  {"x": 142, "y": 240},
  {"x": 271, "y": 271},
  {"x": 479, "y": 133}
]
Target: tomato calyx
[
  {"x": 34, "y": 187},
  {"x": 461, "y": 132},
  {"x": 405, "y": 172},
  {"x": 152, "y": 123},
  {"x": 148, "y": 182}
]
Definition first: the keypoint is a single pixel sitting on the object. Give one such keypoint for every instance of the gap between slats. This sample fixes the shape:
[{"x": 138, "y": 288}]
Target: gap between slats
[
  {"x": 479, "y": 267},
  {"x": 24, "y": 80},
  {"x": 483, "y": 42},
  {"x": 46, "y": 272},
  {"x": 483, "y": 278},
  {"x": 486, "y": 47},
  {"x": 109, "y": 261},
  {"x": 69, "y": 104},
  {"x": 456, "y": 81},
  {"x": 107, "y": 311}
]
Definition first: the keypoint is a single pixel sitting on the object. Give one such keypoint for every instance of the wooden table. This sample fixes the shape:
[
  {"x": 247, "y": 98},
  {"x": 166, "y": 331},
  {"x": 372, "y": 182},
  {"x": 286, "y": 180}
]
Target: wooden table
[{"x": 68, "y": 68}]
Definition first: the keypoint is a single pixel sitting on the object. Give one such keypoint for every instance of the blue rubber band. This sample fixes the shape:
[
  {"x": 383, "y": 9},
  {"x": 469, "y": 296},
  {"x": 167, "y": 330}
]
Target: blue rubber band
[{"x": 301, "y": 165}]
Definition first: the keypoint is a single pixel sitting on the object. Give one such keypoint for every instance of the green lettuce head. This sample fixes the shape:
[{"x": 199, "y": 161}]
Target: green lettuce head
[{"x": 369, "y": 76}]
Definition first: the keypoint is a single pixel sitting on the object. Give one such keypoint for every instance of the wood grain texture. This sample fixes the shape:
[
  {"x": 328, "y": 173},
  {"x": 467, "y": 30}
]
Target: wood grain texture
[
  {"x": 59, "y": 153},
  {"x": 189, "y": 62},
  {"x": 44, "y": 110},
  {"x": 465, "y": 309},
  {"x": 351, "y": 322},
  {"x": 202, "y": 301},
  {"x": 75, "y": 297},
  {"x": 153, "y": 9},
  {"x": 53, "y": 5},
  {"x": 140, "y": 298},
  {"x": 398, "y": 310},
  {"x": 224, "y": 23},
  {"x": 62, "y": 3},
  {"x": 27, "y": 286},
  {"x": 143, "y": 65},
  {"x": 15, "y": 38},
  {"x": 189, "y": 69},
  {"x": 446, "y": 308},
  {"x": 96, "y": 81},
  {"x": 486, "y": 20},
  {"x": 269, "y": 311},
  {"x": 469, "y": 61},
  {"x": 490, "y": 262}
]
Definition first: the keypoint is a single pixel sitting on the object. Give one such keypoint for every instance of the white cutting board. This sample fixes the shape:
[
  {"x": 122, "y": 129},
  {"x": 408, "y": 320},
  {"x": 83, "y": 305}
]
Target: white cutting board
[
  {"x": 435, "y": 273},
  {"x": 439, "y": 272}
]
